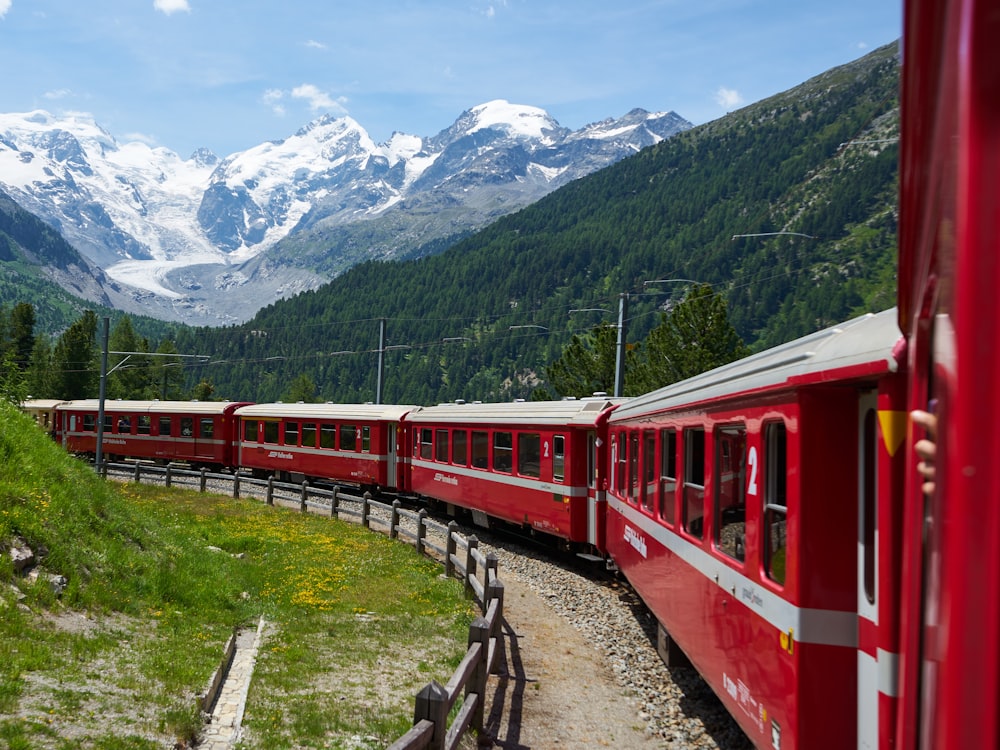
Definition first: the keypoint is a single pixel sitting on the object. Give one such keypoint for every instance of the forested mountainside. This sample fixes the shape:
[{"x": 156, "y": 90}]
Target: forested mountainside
[{"x": 810, "y": 174}]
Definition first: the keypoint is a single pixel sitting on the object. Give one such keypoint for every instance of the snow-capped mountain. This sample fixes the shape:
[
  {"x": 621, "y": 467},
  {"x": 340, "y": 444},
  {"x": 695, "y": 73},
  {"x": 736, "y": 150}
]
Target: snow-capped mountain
[{"x": 285, "y": 215}]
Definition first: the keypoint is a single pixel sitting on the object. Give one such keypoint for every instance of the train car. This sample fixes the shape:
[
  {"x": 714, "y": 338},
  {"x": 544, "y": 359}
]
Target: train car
[
  {"x": 536, "y": 465},
  {"x": 43, "y": 411},
  {"x": 743, "y": 507},
  {"x": 201, "y": 433},
  {"x": 360, "y": 444},
  {"x": 949, "y": 309}
]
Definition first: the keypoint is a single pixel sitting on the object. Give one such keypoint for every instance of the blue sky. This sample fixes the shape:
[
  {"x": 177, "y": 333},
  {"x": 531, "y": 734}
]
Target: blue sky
[{"x": 228, "y": 75}]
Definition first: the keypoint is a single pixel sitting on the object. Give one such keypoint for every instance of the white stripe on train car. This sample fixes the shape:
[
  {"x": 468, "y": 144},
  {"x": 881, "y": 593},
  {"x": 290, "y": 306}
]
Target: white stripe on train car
[{"x": 510, "y": 480}]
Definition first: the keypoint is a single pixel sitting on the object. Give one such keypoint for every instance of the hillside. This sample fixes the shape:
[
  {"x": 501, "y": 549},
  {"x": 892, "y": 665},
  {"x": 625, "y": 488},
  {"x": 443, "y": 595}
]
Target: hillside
[{"x": 816, "y": 164}]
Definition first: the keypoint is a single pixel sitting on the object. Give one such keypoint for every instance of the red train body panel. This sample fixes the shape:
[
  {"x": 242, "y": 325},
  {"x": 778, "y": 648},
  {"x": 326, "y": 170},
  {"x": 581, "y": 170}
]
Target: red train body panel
[
  {"x": 533, "y": 464},
  {"x": 362, "y": 444},
  {"x": 198, "y": 432},
  {"x": 737, "y": 502}
]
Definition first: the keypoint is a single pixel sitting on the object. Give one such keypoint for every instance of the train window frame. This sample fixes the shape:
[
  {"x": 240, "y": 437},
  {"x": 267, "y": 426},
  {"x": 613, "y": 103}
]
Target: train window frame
[
  {"x": 529, "y": 454},
  {"x": 441, "y": 445},
  {"x": 775, "y": 489},
  {"x": 366, "y": 439},
  {"x": 503, "y": 451},
  {"x": 109, "y": 422},
  {"x": 425, "y": 443},
  {"x": 668, "y": 475},
  {"x": 694, "y": 447},
  {"x": 309, "y": 432},
  {"x": 558, "y": 458},
  {"x": 291, "y": 433},
  {"x": 89, "y": 423},
  {"x": 868, "y": 479},
  {"x": 632, "y": 462},
  {"x": 270, "y": 435},
  {"x": 619, "y": 463},
  {"x": 206, "y": 428},
  {"x": 480, "y": 449},
  {"x": 328, "y": 435},
  {"x": 187, "y": 428},
  {"x": 460, "y": 447},
  {"x": 649, "y": 471},
  {"x": 348, "y": 437},
  {"x": 727, "y": 539},
  {"x": 144, "y": 424},
  {"x": 169, "y": 424},
  {"x": 249, "y": 429}
]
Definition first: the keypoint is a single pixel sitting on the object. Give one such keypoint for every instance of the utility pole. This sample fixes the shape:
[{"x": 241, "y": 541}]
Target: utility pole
[
  {"x": 99, "y": 452},
  {"x": 380, "y": 384},
  {"x": 620, "y": 352}
]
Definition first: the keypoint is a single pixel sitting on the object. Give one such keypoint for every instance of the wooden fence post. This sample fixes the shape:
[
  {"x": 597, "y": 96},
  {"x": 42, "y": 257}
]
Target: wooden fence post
[
  {"x": 236, "y": 485},
  {"x": 421, "y": 530},
  {"x": 103, "y": 469},
  {"x": 138, "y": 473},
  {"x": 495, "y": 591},
  {"x": 303, "y": 501},
  {"x": 479, "y": 632},
  {"x": 394, "y": 520},
  {"x": 470, "y": 562},
  {"x": 204, "y": 479},
  {"x": 334, "y": 500},
  {"x": 168, "y": 479},
  {"x": 449, "y": 550},
  {"x": 365, "y": 509},
  {"x": 270, "y": 490},
  {"x": 432, "y": 706}
]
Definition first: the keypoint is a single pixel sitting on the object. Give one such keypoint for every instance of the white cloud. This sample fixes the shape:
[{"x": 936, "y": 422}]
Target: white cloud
[
  {"x": 149, "y": 140},
  {"x": 272, "y": 99},
  {"x": 315, "y": 45},
  {"x": 728, "y": 98},
  {"x": 169, "y": 7},
  {"x": 4, "y": 7},
  {"x": 56, "y": 93},
  {"x": 319, "y": 99}
]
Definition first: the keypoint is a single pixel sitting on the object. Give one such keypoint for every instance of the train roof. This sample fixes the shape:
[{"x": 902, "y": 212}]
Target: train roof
[
  {"x": 858, "y": 348},
  {"x": 387, "y": 412},
  {"x": 41, "y": 403},
  {"x": 582, "y": 412},
  {"x": 151, "y": 407}
]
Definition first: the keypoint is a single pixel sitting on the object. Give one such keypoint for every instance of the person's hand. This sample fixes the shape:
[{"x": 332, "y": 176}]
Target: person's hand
[{"x": 926, "y": 448}]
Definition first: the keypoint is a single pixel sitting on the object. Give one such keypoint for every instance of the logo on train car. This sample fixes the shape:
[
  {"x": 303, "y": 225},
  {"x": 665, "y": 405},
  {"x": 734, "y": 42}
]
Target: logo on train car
[
  {"x": 741, "y": 695},
  {"x": 280, "y": 454},
  {"x": 636, "y": 540},
  {"x": 749, "y": 594},
  {"x": 445, "y": 479},
  {"x": 114, "y": 441}
]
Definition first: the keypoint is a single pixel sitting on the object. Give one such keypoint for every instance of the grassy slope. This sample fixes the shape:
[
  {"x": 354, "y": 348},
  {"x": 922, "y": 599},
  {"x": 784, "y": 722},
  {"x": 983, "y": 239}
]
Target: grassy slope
[{"x": 118, "y": 660}]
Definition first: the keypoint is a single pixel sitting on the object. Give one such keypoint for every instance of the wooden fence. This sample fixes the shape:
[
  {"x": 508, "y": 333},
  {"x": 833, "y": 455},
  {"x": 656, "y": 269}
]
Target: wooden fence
[{"x": 461, "y": 556}]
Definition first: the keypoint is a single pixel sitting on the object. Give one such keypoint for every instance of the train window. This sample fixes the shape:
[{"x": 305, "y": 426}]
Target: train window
[
  {"x": 619, "y": 463},
  {"x": 558, "y": 458},
  {"x": 249, "y": 430},
  {"x": 869, "y": 455},
  {"x": 366, "y": 439},
  {"x": 145, "y": 424},
  {"x": 668, "y": 473},
  {"x": 165, "y": 427},
  {"x": 426, "y": 442},
  {"x": 693, "y": 508},
  {"x": 649, "y": 469},
  {"x": 730, "y": 483},
  {"x": 592, "y": 477},
  {"x": 633, "y": 468},
  {"x": 89, "y": 421},
  {"x": 270, "y": 432},
  {"x": 348, "y": 437},
  {"x": 480, "y": 450},
  {"x": 206, "y": 428},
  {"x": 775, "y": 500},
  {"x": 327, "y": 435},
  {"x": 187, "y": 428},
  {"x": 503, "y": 452},
  {"x": 108, "y": 422},
  {"x": 460, "y": 448},
  {"x": 291, "y": 433},
  {"x": 309, "y": 434},
  {"x": 529, "y": 454},
  {"x": 124, "y": 424},
  {"x": 441, "y": 446}
]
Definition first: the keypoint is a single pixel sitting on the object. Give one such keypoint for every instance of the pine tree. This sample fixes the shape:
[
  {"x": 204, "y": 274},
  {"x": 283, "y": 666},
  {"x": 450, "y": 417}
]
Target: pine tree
[{"x": 76, "y": 371}]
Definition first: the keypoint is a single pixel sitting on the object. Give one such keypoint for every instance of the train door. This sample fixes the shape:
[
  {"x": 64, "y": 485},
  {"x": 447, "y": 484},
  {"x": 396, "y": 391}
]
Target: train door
[
  {"x": 391, "y": 451},
  {"x": 594, "y": 494},
  {"x": 870, "y": 658}
]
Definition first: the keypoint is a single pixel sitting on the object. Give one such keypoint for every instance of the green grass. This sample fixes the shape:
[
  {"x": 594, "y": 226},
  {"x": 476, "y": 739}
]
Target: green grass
[{"x": 157, "y": 579}]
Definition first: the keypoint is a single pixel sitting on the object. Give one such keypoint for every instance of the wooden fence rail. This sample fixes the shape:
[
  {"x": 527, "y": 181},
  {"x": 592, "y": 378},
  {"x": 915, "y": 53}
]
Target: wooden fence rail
[{"x": 461, "y": 556}]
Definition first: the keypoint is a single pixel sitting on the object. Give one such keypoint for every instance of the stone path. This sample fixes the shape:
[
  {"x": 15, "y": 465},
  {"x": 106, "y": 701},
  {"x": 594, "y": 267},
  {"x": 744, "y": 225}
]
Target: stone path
[{"x": 223, "y": 731}]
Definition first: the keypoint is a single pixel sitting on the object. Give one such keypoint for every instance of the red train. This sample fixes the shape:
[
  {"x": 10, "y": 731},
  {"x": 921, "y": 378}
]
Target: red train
[{"x": 771, "y": 513}]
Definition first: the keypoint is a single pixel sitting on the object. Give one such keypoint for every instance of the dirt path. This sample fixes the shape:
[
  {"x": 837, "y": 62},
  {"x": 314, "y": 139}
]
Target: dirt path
[{"x": 556, "y": 690}]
